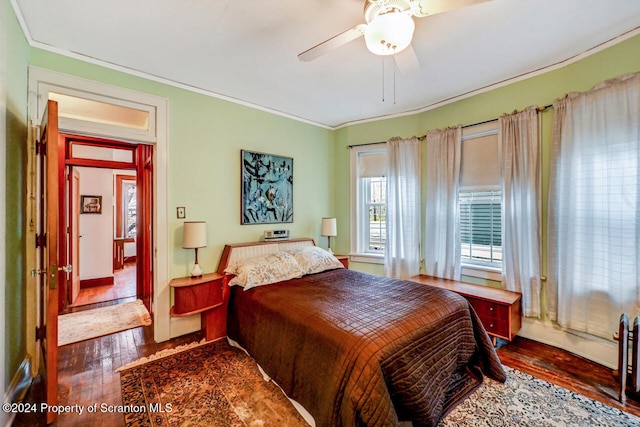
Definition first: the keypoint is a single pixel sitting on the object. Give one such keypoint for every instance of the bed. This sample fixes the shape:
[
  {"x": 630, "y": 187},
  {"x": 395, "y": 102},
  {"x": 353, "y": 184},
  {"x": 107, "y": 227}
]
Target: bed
[{"x": 354, "y": 349}]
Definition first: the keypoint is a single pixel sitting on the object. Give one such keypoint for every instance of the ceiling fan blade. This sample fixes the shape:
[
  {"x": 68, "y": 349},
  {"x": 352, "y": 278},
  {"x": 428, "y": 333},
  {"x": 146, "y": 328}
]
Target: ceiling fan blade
[
  {"x": 422, "y": 8},
  {"x": 333, "y": 43},
  {"x": 407, "y": 61}
]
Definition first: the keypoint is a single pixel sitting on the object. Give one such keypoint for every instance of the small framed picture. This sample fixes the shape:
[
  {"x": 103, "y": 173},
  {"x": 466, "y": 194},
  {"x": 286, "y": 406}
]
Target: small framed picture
[{"x": 91, "y": 204}]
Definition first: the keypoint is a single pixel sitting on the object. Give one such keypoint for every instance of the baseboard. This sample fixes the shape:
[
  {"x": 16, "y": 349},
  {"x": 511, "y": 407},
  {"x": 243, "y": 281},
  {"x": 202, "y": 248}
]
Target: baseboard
[
  {"x": 99, "y": 281},
  {"x": 17, "y": 389},
  {"x": 593, "y": 348}
]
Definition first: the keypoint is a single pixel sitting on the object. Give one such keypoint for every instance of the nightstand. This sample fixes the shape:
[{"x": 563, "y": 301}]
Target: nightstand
[
  {"x": 499, "y": 310},
  {"x": 344, "y": 259},
  {"x": 206, "y": 295}
]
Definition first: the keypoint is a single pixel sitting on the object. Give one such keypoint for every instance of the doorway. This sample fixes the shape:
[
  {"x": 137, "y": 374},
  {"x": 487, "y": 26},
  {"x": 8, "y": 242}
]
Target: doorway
[
  {"x": 88, "y": 107},
  {"x": 106, "y": 220},
  {"x": 113, "y": 233}
]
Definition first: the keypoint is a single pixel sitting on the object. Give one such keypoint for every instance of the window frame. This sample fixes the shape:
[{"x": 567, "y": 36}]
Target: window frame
[
  {"x": 126, "y": 209},
  {"x": 479, "y": 270},
  {"x": 359, "y": 215},
  {"x": 120, "y": 209}
]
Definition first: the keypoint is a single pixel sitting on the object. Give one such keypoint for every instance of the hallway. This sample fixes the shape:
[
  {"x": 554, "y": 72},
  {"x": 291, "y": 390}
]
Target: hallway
[{"x": 124, "y": 287}]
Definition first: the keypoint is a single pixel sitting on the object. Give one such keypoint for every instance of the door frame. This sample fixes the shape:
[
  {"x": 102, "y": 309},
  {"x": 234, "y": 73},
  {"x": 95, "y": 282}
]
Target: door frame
[
  {"x": 67, "y": 161},
  {"x": 41, "y": 83}
]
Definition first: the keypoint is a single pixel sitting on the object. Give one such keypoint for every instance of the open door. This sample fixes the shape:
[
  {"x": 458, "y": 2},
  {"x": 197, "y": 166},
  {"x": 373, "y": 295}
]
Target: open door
[
  {"x": 74, "y": 233},
  {"x": 144, "y": 222},
  {"x": 49, "y": 254}
]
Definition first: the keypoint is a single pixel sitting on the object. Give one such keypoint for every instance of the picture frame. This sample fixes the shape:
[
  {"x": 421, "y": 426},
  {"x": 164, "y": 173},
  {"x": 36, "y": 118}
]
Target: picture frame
[
  {"x": 91, "y": 204},
  {"x": 266, "y": 188}
]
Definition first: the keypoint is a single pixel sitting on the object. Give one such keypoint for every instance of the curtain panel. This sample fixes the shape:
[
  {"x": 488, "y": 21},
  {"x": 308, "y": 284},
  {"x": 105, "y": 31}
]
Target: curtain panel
[
  {"x": 402, "y": 249},
  {"x": 442, "y": 230},
  {"x": 519, "y": 159},
  {"x": 594, "y": 219}
]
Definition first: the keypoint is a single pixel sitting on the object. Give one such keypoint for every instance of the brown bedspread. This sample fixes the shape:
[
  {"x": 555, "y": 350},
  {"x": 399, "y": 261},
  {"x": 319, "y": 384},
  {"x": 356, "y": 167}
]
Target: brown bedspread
[{"x": 362, "y": 350}]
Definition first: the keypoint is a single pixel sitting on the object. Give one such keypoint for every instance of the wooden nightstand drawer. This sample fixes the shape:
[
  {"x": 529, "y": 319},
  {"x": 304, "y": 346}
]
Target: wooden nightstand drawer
[
  {"x": 489, "y": 309},
  {"x": 498, "y": 327},
  {"x": 494, "y": 316},
  {"x": 195, "y": 295}
]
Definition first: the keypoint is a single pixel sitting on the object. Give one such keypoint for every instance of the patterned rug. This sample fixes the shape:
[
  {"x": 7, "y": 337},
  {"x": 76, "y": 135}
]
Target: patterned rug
[
  {"x": 87, "y": 324},
  {"x": 215, "y": 384},
  {"x": 209, "y": 385},
  {"x": 524, "y": 400}
]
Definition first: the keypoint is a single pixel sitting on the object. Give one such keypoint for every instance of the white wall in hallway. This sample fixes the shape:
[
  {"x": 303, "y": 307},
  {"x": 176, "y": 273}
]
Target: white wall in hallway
[{"x": 96, "y": 230}]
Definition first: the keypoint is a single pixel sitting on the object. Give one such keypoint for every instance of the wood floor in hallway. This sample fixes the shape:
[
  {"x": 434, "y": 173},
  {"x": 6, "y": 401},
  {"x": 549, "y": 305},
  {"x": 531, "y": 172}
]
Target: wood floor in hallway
[{"x": 124, "y": 286}]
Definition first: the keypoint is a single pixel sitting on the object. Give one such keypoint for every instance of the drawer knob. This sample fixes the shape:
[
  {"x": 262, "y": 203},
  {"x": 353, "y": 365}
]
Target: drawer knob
[{"x": 490, "y": 308}]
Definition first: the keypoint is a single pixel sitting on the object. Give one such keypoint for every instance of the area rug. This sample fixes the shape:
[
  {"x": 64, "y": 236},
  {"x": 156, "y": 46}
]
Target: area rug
[
  {"x": 214, "y": 384},
  {"x": 524, "y": 400},
  {"x": 87, "y": 324}
]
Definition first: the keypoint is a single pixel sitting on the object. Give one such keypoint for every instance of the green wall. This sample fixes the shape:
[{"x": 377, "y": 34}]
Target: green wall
[
  {"x": 16, "y": 54},
  {"x": 206, "y": 135},
  {"x": 539, "y": 90}
]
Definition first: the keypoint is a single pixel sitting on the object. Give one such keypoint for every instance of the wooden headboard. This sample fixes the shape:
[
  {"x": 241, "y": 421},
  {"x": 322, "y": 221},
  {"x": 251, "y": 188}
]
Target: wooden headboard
[{"x": 240, "y": 251}]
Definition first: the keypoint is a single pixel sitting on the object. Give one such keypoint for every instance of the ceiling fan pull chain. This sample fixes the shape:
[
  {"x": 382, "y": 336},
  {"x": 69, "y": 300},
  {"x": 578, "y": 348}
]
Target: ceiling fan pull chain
[
  {"x": 394, "y": 76},
  {"x": 382, "y": 62}
]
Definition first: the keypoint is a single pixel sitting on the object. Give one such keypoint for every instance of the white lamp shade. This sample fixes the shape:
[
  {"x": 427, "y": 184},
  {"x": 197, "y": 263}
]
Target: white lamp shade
[
  {"x": 389, "y": 33},
  {"x": 194, "y": 234},
  {"x": 329, "y": 227}
]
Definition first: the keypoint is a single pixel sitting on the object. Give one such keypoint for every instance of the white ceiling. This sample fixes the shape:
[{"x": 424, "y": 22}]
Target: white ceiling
[{"x": 246, "y": 50}]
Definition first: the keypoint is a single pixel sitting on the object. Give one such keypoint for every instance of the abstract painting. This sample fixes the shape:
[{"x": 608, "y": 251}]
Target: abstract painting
[{"x": 267, "y": 188}]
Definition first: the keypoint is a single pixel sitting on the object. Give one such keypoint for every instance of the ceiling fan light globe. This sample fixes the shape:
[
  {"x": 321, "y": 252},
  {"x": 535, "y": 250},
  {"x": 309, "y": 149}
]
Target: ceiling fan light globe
[{"x": 389, "y": 33}]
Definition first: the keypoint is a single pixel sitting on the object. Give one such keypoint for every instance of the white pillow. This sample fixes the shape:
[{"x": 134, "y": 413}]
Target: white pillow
[
  {"x": 313, "y": 259},
  {"x": 264, "y": 270}
]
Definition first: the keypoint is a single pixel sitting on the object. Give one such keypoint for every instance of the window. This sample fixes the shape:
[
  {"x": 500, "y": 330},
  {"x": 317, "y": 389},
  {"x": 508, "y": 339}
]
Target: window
[
  {"x": 594, "y": 215},
  {"x": 480, "y": 201},
  {"x": 368, "y": 204},
  {"x": 126, "y": 207},
  {"x": 480, "y": 227},
  {"x": 374, "y": 210},
  {"x": 129, "y": 205}
]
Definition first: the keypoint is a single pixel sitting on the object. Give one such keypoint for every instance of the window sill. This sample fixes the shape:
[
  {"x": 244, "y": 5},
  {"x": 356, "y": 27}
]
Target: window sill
[
  {"x": 367, "y": 258},
  {"x": 480, "y": 272}
]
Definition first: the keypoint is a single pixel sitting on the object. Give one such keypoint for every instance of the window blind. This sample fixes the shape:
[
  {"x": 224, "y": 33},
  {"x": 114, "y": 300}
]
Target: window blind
[
  {"x": 480, "y": 226},
  {"x": 479, "y": 167},
  {"x": 372, "y": 164}
]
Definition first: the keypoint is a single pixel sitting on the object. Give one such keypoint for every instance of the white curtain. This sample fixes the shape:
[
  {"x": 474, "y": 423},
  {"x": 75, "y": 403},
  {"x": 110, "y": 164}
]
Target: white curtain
[
  {"x": 519, "y": 158},
  {"x": 594, "y": 216},
  {"x": 442, "y": 231},
  {"x": 402, "y": 249}
]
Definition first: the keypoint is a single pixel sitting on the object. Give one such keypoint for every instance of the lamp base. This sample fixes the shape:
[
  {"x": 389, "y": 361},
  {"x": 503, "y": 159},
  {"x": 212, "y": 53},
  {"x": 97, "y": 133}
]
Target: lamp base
[
  {"x": 329, "y": 245},
  {"x": 196, "y": 271}
]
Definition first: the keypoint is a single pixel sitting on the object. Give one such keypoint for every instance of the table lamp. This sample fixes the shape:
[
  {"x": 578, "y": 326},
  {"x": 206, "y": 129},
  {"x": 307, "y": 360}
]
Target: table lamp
[
  {"x": 329, "y": 229},
  {"x": 195, "y": 236}
]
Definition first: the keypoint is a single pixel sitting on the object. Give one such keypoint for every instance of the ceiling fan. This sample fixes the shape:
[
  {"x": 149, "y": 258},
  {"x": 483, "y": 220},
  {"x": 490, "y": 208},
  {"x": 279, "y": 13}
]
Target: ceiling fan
[{"x": 389, "y": 28}]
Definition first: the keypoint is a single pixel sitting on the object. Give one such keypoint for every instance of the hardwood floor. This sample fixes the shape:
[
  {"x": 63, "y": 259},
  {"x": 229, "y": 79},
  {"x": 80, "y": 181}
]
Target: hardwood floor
[
  {"x": 566, "y": 370},
  {"x": 87, "y": 373},
  {"x": 124, "y": 286}
]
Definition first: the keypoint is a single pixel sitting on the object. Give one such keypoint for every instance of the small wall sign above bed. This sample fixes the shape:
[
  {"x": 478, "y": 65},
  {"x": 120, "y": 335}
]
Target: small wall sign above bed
[
  {"x": 267, "y": 188},
  {"x": 91, "y": 204}
]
